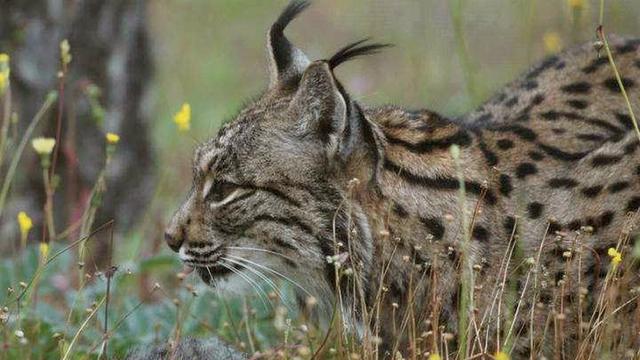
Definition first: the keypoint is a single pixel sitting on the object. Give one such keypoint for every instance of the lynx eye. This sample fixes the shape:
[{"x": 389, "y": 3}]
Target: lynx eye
[{"x": 220, "y": 190}]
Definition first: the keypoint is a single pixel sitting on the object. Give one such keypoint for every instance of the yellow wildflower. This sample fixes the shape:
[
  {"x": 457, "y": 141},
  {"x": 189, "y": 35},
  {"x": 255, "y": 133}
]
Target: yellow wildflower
[
  {"x": 615, "y": 255},
  {"x": 4, "y": 71},
  {"x": 65, "y": 52},
  {"x": 576, "y": 4},
  {"x": 44, "y": 251},
  {"x": 25, "y": 223},
  {"x": 112, "y": 138},
  {"x": 501, "y": 355},
  {"x": 552, "y": 42},
  {"x": 43, "y": 146},
  {"x": 434, "y": 357},
  {"x": 183, "y": 117}
]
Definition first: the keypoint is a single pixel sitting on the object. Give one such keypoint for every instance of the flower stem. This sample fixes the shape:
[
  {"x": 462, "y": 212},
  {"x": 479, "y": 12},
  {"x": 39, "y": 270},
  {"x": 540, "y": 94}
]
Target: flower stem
[
  {"x": 48, "y": 205},
  {"x": 23, "y": 142}
]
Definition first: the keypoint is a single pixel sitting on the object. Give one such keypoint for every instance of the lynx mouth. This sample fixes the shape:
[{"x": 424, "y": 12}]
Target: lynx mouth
[{"x": 211, "y": 273}]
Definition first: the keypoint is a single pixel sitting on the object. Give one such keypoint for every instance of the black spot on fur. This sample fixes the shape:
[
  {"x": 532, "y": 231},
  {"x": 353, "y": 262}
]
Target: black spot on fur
[
  {"x": 553, "y": 115},
  {"x": 604, "y": 160},
  {"x": 524, "y": 116},
  {"x": 612, "y": 84},
  {"x": 525, "y": 169},
  {"x": 522, "y": 132},
  {"x": 595, "y": 65},
  {"x": 505, "y": 185},
  {"x": 580, "y": 87},
  {"x": 434, "y": 226},
  {"x": 535, "y": 210},
  {"x": 628, "y": 47},
  {"x": 566, "y": 183},
  {"x": 618, "y": 186},
  {"x": 633, "y": 204},
  {"x": 592, "y": 191},
  {"x": 544, "y": 65},
  {"x": 512, "y": 102},
  {"x": 574, "y": 225},
  {"x": 605, "y": 125},
  {"x": 559, "y": 131},
  {"x": 605, "y": 219},
  {"x": 550, "y": 115},
  {"x": 505, "y": 144},
  {"x": 537, "y": 100},
  {"x": 631, "y": 147},
  {"x": 485, "y": 117},
  {"x": 536, "y": 156},
  {"x": 509, "y": 224},
  {"x": 489, "y": 156},
  {"x": 460, "y": 138},
  {"x": 553, "y": 227},
  {"x": 530, "y": 84},
  {"x": 578, "y": 104},
  {"x": 561, "y": 154},
  {"x": 625, "y": 120},
  {"x": 638, "y": 170},
  {"x": 591, "y": 137},
  {"x": 480, "y": 233}
]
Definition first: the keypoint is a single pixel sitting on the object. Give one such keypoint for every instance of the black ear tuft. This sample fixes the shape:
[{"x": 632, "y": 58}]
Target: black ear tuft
[
  {"x": 358, "y": 48},
  {"x": 286, "y": 61},
  {"x": 292, "y": 10}
]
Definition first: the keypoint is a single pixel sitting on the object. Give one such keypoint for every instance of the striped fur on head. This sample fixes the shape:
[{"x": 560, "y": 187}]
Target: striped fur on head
[{"x": 252, "y": 213}]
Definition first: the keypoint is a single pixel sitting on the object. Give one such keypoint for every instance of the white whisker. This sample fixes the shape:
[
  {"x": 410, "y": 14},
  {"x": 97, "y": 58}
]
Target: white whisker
[
  {"x": 253, "y": 284},
  {"x": 261, "y": 250},
  {"x": 258, "y": 273},
  {"x": 261, "y": 276},
  {"x": 263, "y": 296},
  {"x": 273, "y": 272}
]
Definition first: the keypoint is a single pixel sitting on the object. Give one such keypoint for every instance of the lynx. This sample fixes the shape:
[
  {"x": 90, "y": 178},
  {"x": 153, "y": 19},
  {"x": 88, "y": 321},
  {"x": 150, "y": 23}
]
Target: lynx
[{"x": 398, "y": 216}]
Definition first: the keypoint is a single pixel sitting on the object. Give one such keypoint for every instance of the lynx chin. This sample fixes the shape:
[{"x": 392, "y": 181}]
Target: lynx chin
[{"x": 309, "y": 186}]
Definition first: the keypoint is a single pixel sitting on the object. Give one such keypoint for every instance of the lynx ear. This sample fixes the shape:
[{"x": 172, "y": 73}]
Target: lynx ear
[
  {"x": 323, "y": 110},
  {"x": 318, "y": 105},
  {"x": 322, "y": 107},
  {"x": 286, "y": 62}
]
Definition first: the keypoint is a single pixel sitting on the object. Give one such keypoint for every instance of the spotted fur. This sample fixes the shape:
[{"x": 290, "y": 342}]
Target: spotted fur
[{"x": 308, "y": 174}]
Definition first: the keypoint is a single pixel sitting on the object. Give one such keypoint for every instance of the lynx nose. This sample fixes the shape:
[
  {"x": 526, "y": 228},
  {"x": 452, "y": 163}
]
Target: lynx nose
[
  {"x": 173, "y": 241},
  {"x": 174, "y": 236}
]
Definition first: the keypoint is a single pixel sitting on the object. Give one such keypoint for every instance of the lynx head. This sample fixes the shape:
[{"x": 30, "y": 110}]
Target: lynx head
[{"x": 268, "y": 190}]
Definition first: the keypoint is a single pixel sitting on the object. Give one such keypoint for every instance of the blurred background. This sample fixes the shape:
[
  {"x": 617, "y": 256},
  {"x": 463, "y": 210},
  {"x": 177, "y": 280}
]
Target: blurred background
[{"x": 135, "y": 63}]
